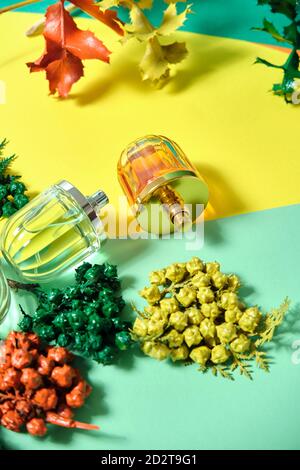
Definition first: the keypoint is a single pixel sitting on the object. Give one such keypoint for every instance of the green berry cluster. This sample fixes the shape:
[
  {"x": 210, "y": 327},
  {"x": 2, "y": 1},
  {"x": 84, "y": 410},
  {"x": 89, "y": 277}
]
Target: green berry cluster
[
  {"x": 12, "y": 190},
  {"x": 85, "y": 317},
  {"x": 194, "y": 314}
]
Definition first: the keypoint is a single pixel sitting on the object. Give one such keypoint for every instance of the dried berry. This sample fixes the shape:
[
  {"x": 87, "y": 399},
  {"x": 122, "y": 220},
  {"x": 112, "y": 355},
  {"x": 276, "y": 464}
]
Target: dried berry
[
  {"x": 85, "y": 317},
  {"x": 195, "y": 314},
  {"x": 29, "y": 394}
]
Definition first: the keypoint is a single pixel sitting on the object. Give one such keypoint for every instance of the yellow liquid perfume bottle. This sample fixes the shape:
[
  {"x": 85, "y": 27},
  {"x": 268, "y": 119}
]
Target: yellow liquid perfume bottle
[
  {"x": 161, "y": 185},
  {"x": 56, "y": 230}
]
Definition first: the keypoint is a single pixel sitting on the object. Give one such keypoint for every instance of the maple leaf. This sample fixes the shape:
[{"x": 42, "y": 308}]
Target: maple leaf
[
  {"x": 140, "y": 27},
  {"x": 146, "y": 4},
  {"x": 172, "y": 20},
  {"x": 155, "y": 65},
  {"x": 108, "y": 17},
  {"x": 157, "y": 58},
  {"x": 66, "y": 47},
  {"x": 105, "y": 4}
]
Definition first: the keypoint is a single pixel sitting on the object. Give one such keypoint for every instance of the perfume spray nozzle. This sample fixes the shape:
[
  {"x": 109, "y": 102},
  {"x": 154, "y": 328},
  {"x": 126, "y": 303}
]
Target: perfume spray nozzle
[{"x": 98, "y": 200}]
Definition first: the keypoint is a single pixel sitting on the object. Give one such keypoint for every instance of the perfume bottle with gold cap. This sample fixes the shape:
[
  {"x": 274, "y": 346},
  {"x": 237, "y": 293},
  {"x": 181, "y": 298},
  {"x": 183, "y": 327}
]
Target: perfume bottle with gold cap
[
  {"x": 161, "y": 185},
  {"x": 56, "y": 230}
]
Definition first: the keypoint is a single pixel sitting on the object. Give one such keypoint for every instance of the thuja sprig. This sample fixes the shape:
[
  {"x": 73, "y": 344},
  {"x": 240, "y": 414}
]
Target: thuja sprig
[
  {"x": 271, "y": 322},
  {"x": 12, "y": 190},
  {"x": 289, "y": 35}
]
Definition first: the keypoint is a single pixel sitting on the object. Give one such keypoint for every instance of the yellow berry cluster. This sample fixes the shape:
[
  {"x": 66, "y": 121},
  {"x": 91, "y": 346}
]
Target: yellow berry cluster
[{"x": 194, "y": 314}]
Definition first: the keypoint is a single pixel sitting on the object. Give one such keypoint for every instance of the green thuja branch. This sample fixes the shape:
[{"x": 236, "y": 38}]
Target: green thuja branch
[
  {"x": 271, "y": 322},
  {"x": 290, "y": 36},
  {"x": 5, "y": 162},
  {"x": 12, "y": 190}
]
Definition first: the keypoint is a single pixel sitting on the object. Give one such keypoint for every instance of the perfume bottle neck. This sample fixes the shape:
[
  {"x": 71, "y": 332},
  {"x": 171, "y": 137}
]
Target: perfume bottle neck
[
  {"x": 98, "y": 200},
  {"x": 174, "y": 205}
]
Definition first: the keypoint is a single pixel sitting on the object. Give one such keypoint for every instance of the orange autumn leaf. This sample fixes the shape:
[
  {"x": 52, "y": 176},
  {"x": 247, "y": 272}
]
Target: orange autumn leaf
[
  {"x": 66, "y": 47},
  {"x": 108, "y": 17}
]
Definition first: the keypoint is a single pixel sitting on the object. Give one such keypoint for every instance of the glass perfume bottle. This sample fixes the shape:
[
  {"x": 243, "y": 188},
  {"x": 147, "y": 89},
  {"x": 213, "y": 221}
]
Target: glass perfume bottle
[
  {"x": 4, "y": 296},
  {"x": 162, "y": 186},
  {"x": 54, "y": 231}
]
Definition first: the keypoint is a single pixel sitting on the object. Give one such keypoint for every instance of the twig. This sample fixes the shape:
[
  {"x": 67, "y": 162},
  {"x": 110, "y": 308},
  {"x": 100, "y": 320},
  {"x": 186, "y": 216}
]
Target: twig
[
  {"x": 37, "y": 28},
  {"x": 17, "y": 5},
  {"x": 223, "y": 371},
  {"x": 243, "y": 367},
  {"x": 20, "y": 285}
]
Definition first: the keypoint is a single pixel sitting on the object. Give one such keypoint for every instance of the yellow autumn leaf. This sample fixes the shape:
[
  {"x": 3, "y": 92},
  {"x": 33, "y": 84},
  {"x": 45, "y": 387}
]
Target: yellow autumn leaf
[
  {"x": 105, "y": 4},
  {"x": 140, "y": 27},
  {"x": 172, "y": 20},
  {"x": 146, "y": 4},
  {"x": 153, "y": 65},
  {"x": 175, "y": 53}
]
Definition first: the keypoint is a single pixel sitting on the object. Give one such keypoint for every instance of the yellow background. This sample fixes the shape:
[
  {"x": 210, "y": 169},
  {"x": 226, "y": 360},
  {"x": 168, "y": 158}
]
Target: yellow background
[{"x": 216, "y": 95}]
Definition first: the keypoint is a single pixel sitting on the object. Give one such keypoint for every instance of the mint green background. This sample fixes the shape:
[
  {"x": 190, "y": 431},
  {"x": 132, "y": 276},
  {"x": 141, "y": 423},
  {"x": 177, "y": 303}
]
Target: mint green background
[
  {"x": 227, "y": 18},
  {"x": 144, "y": 404}
]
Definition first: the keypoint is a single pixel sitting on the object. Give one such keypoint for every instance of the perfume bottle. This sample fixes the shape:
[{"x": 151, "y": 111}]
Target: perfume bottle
[
  {"x": 54, "y": 231},
  {"x": 4, "y": 296},
  {"x": 164, "y": 189}
]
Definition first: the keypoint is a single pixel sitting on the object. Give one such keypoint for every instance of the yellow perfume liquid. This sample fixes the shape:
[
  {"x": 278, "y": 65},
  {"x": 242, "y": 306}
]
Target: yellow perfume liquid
[
  {"x": 155, "y": 174},
  {"x": 56, "y": 230}
]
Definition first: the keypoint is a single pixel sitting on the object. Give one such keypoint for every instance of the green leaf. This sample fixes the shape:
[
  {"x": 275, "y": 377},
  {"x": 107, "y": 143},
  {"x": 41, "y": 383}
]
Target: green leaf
[
  {"x": 259, "y": 60},
  {"x": 291, "y": 34},
  {"x": 285, "y": 7},
  {"x": 269, "y": 28},
  {"x": 277, "y": 89},
  {"x": 292, "y": 63}
]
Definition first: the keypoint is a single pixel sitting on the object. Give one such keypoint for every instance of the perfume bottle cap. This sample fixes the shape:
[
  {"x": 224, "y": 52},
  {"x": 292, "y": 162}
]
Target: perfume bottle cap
[{"x": 91, "y": 205}]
